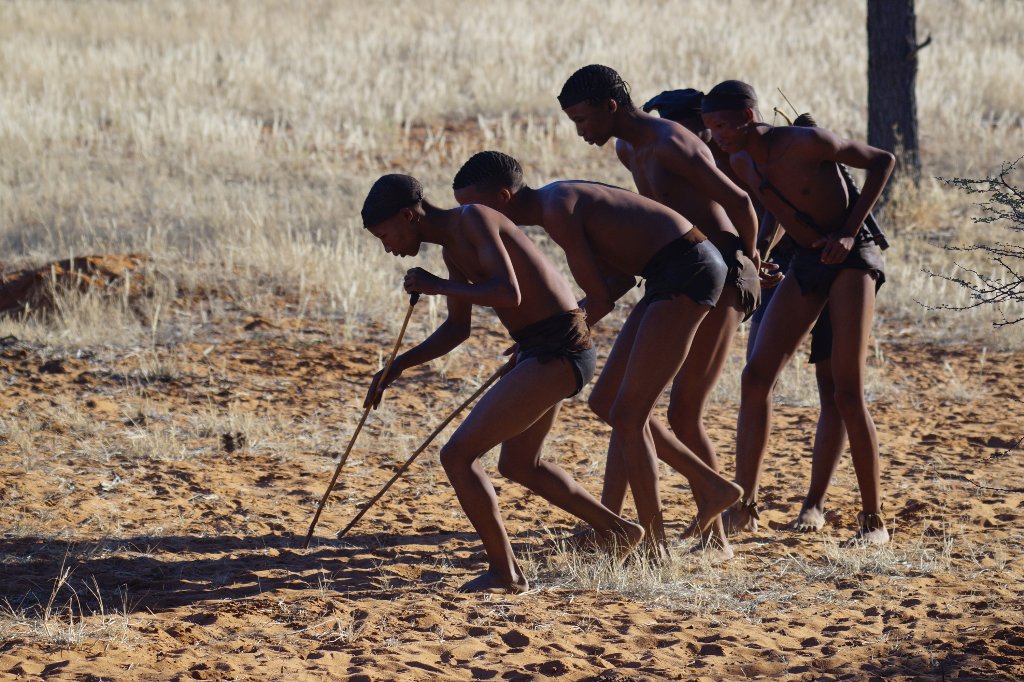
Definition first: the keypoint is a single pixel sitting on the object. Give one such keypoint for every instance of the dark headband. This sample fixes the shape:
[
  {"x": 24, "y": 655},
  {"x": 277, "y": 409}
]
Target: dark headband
[
  {"x": 729, "y": 96},
  {"x": 676, "y": 104}
]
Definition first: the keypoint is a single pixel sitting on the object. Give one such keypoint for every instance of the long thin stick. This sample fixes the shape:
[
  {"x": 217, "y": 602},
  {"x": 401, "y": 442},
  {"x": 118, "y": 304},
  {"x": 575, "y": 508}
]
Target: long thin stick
[
  {"x": 387, "y": 366},
  {"x": 420, "y": 449}
]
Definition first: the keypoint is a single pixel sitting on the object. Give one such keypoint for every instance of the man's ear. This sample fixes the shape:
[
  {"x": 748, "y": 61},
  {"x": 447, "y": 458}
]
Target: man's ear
[
  {"x": 506, "y": 195},
  {"x": 409, "y": 215},
  {"x": 613, "y": 106}
]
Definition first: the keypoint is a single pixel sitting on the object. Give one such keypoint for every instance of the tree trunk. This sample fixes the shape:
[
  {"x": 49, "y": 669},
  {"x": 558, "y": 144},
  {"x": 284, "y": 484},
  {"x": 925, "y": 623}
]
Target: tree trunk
[{"x": 892, "y": 72}]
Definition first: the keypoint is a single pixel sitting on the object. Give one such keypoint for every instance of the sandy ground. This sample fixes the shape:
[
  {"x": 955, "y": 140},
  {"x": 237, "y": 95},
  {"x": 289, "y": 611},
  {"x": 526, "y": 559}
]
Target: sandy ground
[{"x": 178, "y": 535}]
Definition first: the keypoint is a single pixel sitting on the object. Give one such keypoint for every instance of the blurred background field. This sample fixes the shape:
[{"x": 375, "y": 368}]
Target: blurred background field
[{"x": 231, "y": 143}]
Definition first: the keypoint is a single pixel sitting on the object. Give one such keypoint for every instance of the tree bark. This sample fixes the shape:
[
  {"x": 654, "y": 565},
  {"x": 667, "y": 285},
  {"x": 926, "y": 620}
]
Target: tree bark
[{"x": 892, "y": 73}]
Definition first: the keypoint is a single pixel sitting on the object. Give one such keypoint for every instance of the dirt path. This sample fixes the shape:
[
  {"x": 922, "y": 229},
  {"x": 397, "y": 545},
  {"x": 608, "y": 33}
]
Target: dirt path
[{"x": 172, "y": 488}]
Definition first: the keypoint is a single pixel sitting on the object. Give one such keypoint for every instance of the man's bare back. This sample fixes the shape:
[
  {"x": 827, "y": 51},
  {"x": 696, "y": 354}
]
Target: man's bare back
[
  {"x": 623, "y": 229},
  {"x": 651, "y": 164}
]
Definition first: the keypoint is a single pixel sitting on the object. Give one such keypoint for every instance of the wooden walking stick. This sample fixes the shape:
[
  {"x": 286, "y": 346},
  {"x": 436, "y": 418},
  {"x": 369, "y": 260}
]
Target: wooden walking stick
[
  {"x": 366, "y": 411},
  {"x": 401, "y": 470}
]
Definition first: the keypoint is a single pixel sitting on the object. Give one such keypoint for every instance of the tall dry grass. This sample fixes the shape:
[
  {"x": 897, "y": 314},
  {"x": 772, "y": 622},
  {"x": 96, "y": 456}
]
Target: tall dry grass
[{"x": 233, "y": 142}]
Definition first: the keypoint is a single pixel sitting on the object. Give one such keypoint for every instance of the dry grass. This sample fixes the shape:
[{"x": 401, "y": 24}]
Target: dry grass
[
  {"x": 72, "y": 617},
  {"x": 753, "y": 586},
  {"x": 233, "y": 143}
]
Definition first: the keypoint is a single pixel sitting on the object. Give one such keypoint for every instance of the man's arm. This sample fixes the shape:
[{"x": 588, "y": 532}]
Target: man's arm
[
  {"x": 623, "y": 151},
  {"x": 703, "y": 175},
  {"x": 569, "y": 234},
  {"x": 499, "y": 290},
  {"x": 448, "y": 335},
  {"x": 878, "y": 163}
]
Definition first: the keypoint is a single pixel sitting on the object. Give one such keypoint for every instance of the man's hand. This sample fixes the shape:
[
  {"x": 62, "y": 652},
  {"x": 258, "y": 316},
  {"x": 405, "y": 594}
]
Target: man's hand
[
  {"x": 770, "y": 274},
  {"x": 834, "y": 248},
  {"x": 419, "y": 281},
  {"x": 379, "y": 383}
]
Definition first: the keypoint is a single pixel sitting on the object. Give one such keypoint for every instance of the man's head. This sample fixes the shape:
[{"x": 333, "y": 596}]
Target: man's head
[
  {"x": 489, "y": 178},
  {"x": 591, "y": 97},
  {"x": 729, "y": 110},
  {"x": 681, "y": 106},
  {"x": 391, "y": 210}
]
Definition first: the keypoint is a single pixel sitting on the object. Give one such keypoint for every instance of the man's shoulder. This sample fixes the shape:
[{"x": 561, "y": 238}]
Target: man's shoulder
[
  {"x": 675, "y": 141},
  {"x": 807, "y": 140},
  {"x": 477, "y": 220}
]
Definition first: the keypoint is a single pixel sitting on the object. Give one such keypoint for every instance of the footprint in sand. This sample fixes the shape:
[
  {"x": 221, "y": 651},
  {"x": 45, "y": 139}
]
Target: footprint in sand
[{"x": 515, "y": 639}]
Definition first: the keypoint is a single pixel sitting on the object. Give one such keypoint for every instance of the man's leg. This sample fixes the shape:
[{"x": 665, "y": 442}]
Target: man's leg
[
  {"x": 691, "y": 389},
  {"x": 788, "y": 319},
  {"x": 521, "y": 462},
  {"x": 516, "y": 402},
  {"x": 852, "y": 303},
  {"x": 669, "y": 449},
  {"x": 659, "y": 348},
  {"x": 829, "y": 439},
  {"x": 602, "y": 397}
]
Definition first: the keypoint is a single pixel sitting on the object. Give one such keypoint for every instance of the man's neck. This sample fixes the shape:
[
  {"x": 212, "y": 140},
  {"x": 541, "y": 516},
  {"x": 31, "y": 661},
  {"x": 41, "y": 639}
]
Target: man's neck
[
  {"x": 436, "y": 225},
  {"x": 759, "y": 145},
  {"x": 526, "y": 207},
  {"x": 633, "y": 127}
]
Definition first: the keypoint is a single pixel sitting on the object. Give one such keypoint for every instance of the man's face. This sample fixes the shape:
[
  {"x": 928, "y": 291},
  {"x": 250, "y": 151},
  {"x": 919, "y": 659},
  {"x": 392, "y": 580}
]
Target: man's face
[
  {"x": 729, "y": 129},
  {"x": 397, "y": 234},
  {"x": 494, "y": 198},
  {"x": 593, "y": 122}
]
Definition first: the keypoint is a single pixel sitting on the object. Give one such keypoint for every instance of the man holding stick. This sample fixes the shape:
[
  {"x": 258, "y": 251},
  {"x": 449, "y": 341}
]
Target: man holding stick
[{"x": 492, "y": 263}]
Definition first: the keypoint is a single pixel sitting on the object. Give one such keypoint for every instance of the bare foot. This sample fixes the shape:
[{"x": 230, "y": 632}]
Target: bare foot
[
  {"x": 810, "y": 519},
  {"x": 872, "y": 531},
  {"x": 741, "y": 517},
  {"x": 492, "y": 583},
  {"x": 620, "y": 541},
  {"x": 713, "y": 545},
  {"x": 650, "y": 551},
  {"x": 581, "y": 542},
  {"x": 711, "y": 503}
]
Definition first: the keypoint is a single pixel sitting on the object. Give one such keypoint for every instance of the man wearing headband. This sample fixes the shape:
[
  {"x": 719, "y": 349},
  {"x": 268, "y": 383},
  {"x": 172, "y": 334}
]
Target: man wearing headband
[
  {"x": 794, "y": 173},
  {"x": 674, "y": 167},
  {"x": 493, "y": 263}
]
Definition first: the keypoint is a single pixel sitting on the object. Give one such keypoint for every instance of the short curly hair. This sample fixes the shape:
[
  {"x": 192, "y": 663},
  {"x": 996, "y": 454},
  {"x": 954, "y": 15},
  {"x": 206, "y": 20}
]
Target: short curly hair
[
  {"x": 595, "y": 84},
  {"x": 491, "y": 169}
]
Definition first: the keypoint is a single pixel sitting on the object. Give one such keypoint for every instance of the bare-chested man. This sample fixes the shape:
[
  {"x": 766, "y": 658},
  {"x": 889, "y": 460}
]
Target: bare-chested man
[
  {"x": 492, "y": 263},
  {"x": 793, "y": 172},
  {"x": 610, "y": 235},
  {"x": 674, "y": 167},
  {"x": 684, "y": 107}
]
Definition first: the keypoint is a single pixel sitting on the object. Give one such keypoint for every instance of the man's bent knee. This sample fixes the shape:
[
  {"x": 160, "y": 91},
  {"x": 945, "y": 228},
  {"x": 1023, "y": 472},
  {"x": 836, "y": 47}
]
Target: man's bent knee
[
  {"x": 850, "y": 401},
  {"x": 601, "y": 405},
  {"x": 756, "y": 382},
  {"x": 627, "y": 417},
  {"x": 455, "y": 457},
  {"x": 513, "y": 470}
]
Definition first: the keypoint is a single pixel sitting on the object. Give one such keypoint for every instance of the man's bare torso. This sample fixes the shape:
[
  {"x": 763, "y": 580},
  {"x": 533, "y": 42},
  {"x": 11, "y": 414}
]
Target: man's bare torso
[
  {"x": 655, "y": 181},
  {"x": 543, "y": 290},
  {"x": 811, "y": 184}
]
